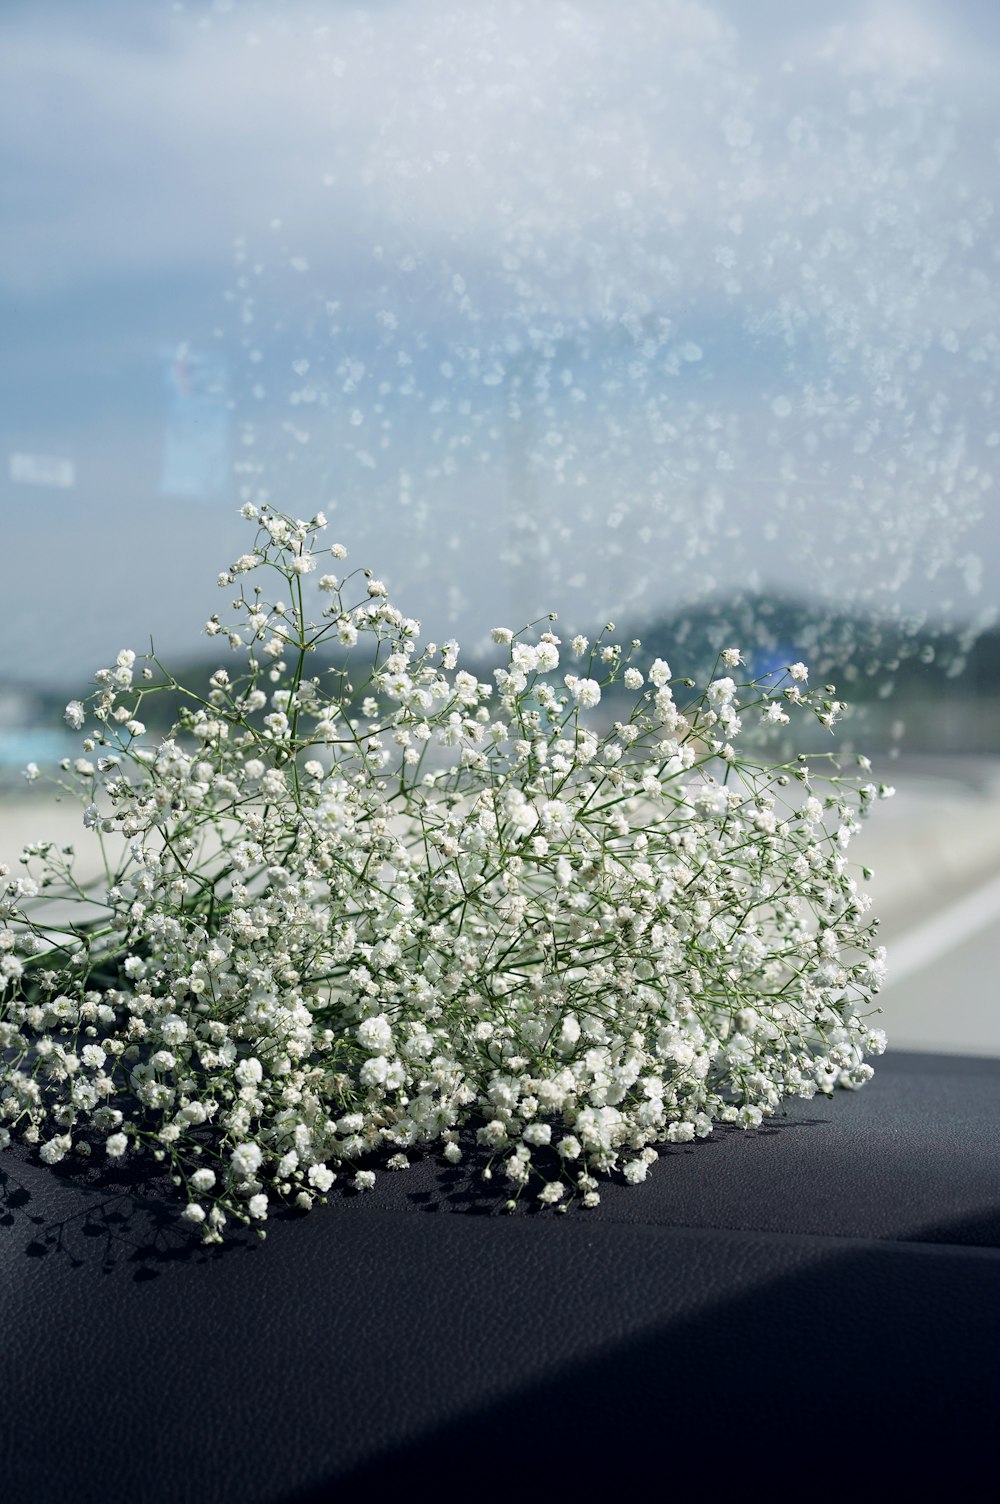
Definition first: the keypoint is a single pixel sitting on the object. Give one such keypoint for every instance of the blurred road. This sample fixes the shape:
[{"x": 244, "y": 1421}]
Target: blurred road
[{"x": 935, "y": 852}]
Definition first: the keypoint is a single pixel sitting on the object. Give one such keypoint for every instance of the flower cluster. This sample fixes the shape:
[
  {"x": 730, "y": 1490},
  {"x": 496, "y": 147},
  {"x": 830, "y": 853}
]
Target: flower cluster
[{"x": 370, "y": 904}]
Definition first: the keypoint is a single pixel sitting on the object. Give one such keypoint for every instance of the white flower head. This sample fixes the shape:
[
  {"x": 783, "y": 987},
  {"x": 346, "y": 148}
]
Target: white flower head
[
  {"x": 375, "y": 1034},
  {"x": 246, "y": 1160},
  {"x": 586, "y": 692},
  {"x": 320, "y": 1177}
]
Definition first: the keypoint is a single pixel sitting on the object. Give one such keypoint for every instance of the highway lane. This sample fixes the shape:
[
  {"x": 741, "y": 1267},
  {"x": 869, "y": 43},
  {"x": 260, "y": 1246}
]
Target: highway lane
[{"x": 951, "y": 1003}]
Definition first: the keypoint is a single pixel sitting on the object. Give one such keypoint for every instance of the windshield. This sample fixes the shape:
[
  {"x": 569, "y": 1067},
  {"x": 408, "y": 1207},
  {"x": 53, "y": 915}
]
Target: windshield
[{"x": 679, "y": 315}]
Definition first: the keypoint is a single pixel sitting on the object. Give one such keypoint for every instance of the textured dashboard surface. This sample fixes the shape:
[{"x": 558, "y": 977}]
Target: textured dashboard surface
[{"x": 820, "y": 1297}]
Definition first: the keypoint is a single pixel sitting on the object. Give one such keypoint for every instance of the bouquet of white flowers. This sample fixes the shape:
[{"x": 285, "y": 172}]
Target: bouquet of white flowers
[{"x": 358, "y": 908}]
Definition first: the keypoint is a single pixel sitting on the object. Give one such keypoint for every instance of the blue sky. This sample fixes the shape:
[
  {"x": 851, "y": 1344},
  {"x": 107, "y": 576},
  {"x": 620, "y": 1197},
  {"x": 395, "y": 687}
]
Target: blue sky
[{"x": 589, "y": 307}]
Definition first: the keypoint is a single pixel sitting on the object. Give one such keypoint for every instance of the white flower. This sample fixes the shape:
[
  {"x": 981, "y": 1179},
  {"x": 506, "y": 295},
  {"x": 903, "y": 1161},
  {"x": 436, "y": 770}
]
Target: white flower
[
  {"x": 193, "y": 1213},
  {"x": 798, "y": 671},
  {"x": 721, "y": 691},
  {"x": 466, "y": 910},
  {"x": 501, "y": 634},
  {"x": 375, "y": 1034},
  {"x": 374, "y": 1071},
  {"x": 246, "y": 1160},
  {"x": 53, "y": 1151},
  {"x": 320, "y": 1177},
  {"x": 586, "y": 692}
]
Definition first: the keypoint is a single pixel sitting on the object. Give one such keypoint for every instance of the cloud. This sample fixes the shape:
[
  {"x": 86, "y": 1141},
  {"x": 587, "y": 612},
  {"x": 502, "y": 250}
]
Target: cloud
[
  {"x": 734, "y": 263},
  {"x": 495, "y": 128}
]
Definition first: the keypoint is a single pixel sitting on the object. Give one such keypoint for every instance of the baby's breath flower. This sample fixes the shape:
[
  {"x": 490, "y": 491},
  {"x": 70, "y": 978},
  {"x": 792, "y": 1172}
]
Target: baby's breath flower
[
  {"x": 586, "y": 692},
  {"x": 472, "y": 919}
]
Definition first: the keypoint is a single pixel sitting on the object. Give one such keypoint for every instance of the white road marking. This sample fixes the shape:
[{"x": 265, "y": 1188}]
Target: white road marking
[{"x": 960, "y": 921}]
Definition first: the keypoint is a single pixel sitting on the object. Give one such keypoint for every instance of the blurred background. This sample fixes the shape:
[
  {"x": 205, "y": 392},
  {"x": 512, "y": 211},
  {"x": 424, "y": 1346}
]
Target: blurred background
[{"x": 681, "y": 314}]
